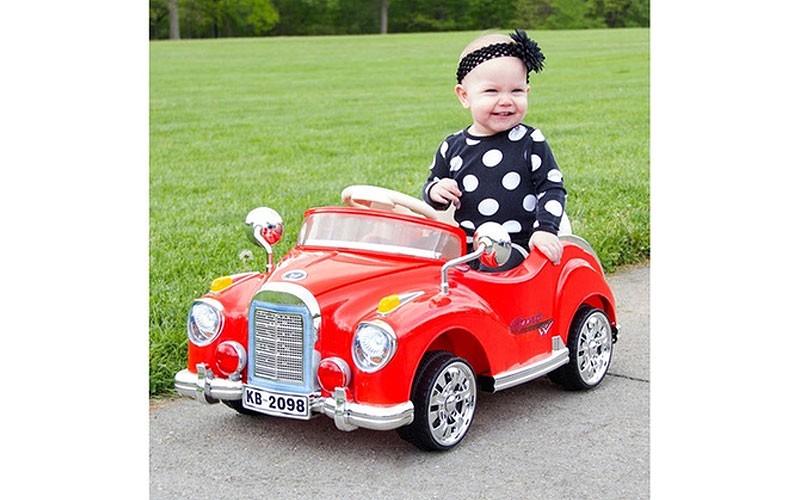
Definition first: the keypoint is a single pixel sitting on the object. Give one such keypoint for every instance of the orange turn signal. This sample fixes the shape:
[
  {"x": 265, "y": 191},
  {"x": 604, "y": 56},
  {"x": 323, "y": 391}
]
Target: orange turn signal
[
  {"x": 388, "y": 303},
  {"x": 221, "y": 283}
]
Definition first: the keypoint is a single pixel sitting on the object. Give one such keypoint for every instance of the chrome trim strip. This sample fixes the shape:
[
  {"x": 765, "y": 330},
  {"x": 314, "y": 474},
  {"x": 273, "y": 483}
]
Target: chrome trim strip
[
  {"x": 559, "y": 356},
  {"x": 580, "y": 242},
  {"x": 520, "y": 249},
  {"x": 404, "y": 299},
  {"x": 204, "y": 387},
  {"x": 375, "y": 247}
]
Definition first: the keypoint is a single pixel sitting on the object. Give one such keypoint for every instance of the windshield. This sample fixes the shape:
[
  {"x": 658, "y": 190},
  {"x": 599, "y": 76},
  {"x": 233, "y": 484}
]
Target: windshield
[{"x": 378, "y": 234}]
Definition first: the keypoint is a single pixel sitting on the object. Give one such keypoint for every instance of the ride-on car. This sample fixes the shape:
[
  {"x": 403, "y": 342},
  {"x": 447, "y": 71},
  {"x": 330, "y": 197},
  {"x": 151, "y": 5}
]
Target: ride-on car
[{"x": 376, "y": 320}]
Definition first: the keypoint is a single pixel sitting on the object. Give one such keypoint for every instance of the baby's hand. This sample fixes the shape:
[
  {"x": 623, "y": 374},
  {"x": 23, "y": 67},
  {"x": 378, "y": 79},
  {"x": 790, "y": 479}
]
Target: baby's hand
[
  {"x": 548, "y": 244},
  {"x": 446, "y": 191}
]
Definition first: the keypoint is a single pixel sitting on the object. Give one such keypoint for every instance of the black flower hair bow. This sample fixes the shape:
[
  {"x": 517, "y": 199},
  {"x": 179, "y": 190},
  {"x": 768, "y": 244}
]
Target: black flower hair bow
[{"x": 529, "y": 51}]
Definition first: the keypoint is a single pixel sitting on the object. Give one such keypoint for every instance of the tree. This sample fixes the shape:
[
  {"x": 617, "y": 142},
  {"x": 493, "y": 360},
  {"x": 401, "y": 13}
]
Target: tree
[
  {"x": 218, "y": 18},
  {"x": 224, "y": 18},
  {"x": 158, "y": 12},
  {"x": 262, "y": 16},
  {"x": 384, "y": 17},
  {"x": 174, "y": 24}
]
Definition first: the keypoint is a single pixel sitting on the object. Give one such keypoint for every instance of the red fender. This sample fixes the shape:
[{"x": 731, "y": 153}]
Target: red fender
[{"x": 581, "y": 282}]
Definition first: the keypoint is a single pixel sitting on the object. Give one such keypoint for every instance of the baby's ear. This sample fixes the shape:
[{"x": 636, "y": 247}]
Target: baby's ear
[{"x": 461, "y": 93}]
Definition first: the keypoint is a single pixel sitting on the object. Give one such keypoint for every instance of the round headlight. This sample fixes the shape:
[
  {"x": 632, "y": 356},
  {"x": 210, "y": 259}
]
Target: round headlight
[
  {"x": 205, "y": 322},
  {"x": 374, "y": 345}
]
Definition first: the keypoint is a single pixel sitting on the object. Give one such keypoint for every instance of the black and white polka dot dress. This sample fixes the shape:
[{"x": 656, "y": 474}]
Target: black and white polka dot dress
[{"x": 511, "y": 178}]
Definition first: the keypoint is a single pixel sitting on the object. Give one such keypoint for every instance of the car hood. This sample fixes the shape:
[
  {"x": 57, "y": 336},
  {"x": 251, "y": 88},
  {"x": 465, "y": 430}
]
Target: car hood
[{"x": 326, "y": 272}]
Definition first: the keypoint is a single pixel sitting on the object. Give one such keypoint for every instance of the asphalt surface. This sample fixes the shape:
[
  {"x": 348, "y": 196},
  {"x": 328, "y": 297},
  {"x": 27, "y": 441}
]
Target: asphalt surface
[{"x": 532, "y": 441}]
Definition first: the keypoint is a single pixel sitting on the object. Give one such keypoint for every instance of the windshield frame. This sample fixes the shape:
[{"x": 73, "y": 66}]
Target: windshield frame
[{"x": 455, "y": 234}]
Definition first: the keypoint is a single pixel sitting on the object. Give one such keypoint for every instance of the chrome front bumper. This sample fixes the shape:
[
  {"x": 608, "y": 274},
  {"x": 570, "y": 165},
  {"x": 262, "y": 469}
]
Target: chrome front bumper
[
  {"x": 206, "y": 388},
  {"x": 347, "y": 415}
]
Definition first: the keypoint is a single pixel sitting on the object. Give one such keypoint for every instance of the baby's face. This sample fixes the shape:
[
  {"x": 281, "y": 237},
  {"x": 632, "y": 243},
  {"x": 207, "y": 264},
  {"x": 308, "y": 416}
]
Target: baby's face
[{"x": 496, "y": 94}]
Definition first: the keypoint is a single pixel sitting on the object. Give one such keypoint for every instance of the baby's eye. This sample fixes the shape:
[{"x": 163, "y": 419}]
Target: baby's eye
[{"x": 490, "y": 91}]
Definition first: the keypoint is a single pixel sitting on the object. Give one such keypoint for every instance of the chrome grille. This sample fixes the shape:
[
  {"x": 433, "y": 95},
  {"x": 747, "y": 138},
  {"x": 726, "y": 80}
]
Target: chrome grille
[{"x": 279, "y": 346}]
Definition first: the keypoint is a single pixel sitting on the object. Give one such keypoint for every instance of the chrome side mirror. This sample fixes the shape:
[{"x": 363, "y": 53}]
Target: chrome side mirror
[
  {"x": 491, "y": 244},
  {"x": 496, "y": 244},
  {"x": 266, "y": 229}
]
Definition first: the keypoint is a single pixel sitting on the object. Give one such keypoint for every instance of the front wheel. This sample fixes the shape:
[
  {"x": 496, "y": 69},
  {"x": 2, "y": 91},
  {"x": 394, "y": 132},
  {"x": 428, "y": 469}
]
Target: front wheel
[
  {"x": 444, "y": 397},
  {"x": 590, "y": 346},
  {"x": 237, "y": 405}
]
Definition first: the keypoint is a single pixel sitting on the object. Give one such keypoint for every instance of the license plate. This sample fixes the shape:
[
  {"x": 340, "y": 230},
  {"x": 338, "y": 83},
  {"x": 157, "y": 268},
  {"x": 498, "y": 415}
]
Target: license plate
[{"x": 276, "y": 403}]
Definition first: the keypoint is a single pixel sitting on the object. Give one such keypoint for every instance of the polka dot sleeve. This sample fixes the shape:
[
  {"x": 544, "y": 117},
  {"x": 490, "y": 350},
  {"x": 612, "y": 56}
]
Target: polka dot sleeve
[
  {"x": 439, "y": 169},
  {"x": 548, "y": 186}
]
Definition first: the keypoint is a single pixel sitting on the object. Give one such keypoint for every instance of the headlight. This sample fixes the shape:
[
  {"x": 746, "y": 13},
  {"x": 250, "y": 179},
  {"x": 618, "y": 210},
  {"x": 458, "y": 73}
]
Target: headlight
[
  {"x": 374, "y": 345},
  {"x": 205, "y": 321}
]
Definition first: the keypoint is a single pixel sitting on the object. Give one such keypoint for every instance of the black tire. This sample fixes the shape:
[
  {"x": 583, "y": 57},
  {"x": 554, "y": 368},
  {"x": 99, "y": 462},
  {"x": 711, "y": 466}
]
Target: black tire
[
  {"x": 590, "y": 345},
  {"x": 237, "y": 405},
  {"x": 441, "y": 376}
]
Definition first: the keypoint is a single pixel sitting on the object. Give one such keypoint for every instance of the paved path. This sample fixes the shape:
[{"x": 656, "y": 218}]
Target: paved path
[{"x": 532, "y": 441}]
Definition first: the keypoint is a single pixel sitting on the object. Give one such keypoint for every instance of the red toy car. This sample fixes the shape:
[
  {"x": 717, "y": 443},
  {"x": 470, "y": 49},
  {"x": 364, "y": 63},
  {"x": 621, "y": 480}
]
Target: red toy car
[{"x": 375, "y": 320}]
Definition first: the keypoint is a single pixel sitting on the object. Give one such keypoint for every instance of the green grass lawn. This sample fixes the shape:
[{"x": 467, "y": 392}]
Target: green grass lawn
[{"x": 289, "y": 122}]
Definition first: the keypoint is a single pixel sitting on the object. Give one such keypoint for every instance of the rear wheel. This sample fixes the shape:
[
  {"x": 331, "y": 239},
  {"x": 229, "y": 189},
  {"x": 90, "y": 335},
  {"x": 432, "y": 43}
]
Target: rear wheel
[
  {"x": 444, "y": 397},
  {"x": 590, "y": 346}
]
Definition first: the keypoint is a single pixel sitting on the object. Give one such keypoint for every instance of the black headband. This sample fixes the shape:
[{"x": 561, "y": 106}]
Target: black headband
[{"x": 523, "y": 47}]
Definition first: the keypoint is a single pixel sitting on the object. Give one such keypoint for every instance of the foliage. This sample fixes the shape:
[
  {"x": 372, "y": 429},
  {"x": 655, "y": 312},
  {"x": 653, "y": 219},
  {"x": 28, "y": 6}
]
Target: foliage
[
  {"x": 262, "y": 16},
  {"x": 570, "y": 14},
  {"x": 531, "y": 14},
  {"x": 289, "y": 122},
  {"x": 327, "y": 17},
  {"x": 621, "y": 13},
  {"x": 159, "y": 23},
  {"x": 448, "y": 15},
  {"x": 215, "y": 18},
  {"x": 227, "y": 18}
]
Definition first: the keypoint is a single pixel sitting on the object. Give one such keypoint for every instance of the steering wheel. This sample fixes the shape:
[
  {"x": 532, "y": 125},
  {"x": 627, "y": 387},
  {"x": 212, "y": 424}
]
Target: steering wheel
[{"x": 385, "y": 199}]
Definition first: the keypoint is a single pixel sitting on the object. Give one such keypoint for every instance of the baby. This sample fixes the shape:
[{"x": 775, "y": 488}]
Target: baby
[{"x": 499, "y": 169}]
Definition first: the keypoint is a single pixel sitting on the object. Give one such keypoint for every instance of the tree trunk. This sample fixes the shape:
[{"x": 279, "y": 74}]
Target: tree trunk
[
  {"x": 384, "y": 16},
  {"x": 174, "y": 26}
]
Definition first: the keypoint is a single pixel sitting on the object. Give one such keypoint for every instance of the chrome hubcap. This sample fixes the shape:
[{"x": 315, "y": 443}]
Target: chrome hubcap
[
  {"x": 452, "y": 404},
  {"x": 594, "y": 348}
]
